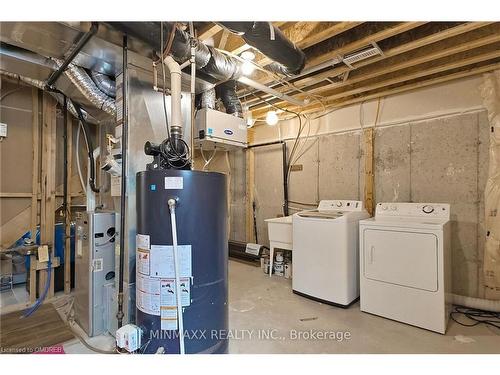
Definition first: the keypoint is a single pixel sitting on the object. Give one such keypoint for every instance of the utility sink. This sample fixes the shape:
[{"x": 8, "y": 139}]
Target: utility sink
[{"x": 280, "y": 230}]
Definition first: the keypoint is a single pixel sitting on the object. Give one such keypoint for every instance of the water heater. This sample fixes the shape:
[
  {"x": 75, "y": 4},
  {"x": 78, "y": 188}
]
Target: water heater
[{"x": 200, "y": 215}]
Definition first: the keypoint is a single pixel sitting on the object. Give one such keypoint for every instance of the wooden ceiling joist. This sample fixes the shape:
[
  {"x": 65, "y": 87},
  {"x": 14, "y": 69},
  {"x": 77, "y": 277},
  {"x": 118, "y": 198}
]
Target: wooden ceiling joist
[
  {"x": 331, "y": 104},
  {"x": 445, "y": 42},
  {"x": 436, "y": 52},
  {"x": 209, "y": 31}
]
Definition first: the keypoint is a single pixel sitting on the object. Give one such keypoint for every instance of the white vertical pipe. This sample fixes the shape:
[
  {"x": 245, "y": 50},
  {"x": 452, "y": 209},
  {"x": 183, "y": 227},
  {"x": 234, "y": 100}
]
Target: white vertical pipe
[
  {"x": 175, "y": 89},
  {"x": 171, "y": 206}
]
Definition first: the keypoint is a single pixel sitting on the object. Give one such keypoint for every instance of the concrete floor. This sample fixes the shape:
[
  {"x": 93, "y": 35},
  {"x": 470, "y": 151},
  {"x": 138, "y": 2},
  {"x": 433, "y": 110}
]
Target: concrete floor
[
  {"x": 14, "y": 296},
  {"x": 257, "y": 302},
  {"x": 259, "y": 305}
]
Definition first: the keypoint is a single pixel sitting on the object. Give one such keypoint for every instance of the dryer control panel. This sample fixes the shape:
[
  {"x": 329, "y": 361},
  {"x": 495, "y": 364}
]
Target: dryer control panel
[
  {"x": 429, "y": 210},
  {"x": 340, "y": 205}
]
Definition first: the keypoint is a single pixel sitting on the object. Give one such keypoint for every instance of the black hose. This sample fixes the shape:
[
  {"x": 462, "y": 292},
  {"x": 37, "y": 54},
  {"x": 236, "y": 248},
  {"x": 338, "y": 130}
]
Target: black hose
[
  {"x": 79, "y": 46},
  {"x": 120, "y": 314},
  {"x": 90, "y": 147}
]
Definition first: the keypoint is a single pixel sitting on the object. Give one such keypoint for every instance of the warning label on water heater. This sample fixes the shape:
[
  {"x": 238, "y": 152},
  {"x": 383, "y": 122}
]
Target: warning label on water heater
[
  {"x": 174, "y": 183},
  {"x": 156, "y": 291}
]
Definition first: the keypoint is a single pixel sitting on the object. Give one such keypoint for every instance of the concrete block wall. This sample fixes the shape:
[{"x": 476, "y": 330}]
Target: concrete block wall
[{"x": 442, "y": 160}]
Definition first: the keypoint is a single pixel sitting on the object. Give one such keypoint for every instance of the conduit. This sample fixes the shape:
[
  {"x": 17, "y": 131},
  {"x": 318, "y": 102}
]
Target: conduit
[{"x": 490, "y": 91}]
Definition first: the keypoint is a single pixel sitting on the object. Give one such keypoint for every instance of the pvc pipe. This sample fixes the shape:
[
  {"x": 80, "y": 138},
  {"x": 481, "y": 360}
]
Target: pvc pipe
[
  {"x": 175, "y": 88},
  {"x": 476, "y": 303},
  {"x": 171, "y": 206}
]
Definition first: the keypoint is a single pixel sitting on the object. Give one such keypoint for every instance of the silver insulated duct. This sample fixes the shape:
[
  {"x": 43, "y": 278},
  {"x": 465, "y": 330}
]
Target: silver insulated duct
[
  {"x": 88, "y": 88},
  {"x": 41, "y": 85}
]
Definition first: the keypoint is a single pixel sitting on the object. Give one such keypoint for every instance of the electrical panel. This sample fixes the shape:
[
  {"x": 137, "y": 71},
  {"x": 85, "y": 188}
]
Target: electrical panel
[
  {"x": 94, "y": 268},
  {"x": 218, "y": 129}
]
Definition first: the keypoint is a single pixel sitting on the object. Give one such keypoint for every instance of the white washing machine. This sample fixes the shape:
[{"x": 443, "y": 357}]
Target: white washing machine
[
  {"x": 405, "y": 262},
  {"x": 325, "y": 252}
]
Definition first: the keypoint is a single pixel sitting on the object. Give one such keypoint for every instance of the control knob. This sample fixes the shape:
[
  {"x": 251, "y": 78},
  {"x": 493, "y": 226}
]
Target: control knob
[{"x": 428, "y": 209}]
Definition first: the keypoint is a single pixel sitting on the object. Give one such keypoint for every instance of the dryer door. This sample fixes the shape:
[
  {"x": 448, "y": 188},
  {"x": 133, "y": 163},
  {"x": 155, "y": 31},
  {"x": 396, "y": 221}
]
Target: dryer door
[{"x": 402, "y": 258}]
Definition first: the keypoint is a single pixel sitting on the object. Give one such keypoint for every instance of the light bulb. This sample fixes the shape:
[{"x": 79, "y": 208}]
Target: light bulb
[
  {"x": 247, "y": 68},
  {"x": 272, "y": 118},
  {"x": 248, "y": 55}
]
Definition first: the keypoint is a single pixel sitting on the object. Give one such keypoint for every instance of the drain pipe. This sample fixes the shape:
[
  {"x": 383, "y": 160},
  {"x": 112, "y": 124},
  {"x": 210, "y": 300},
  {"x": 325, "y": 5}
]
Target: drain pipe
[
  {"x": 120, "y": 314},
  {"x": 79, "y": 46}
]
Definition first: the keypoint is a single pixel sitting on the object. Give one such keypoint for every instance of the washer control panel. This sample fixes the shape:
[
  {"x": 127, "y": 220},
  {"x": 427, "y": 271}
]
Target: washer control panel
[
  {"x": 340, "y": 205},
  {"x": 437, "y": 210}
]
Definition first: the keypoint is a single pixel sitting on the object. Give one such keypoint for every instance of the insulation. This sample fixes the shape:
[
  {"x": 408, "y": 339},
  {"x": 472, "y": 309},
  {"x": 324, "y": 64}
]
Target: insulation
[
  {"x": 227, "y": 93},
  {"x": 88, "y": 88},
  {"x": 269, "y": 40},
  {"x": 490, "y": 92},
  {"x": 104, "y": 83}
]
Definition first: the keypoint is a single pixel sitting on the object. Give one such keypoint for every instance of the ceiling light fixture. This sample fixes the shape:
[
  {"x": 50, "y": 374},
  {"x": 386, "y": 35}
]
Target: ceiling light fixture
[{"x": 272, "y": 118}]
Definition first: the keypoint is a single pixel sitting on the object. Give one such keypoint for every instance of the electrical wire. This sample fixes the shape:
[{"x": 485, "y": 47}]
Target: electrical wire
[
  {"x": 70, "y": 322},
  {"x": 78, "y": 165},
  {"x": 207, "y": 161},
  {"x": 475, "y": 317}
]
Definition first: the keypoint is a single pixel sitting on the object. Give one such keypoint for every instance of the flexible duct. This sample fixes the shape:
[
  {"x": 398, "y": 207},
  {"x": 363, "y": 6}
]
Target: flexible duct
[
  {"x": 207, "y": 99},
  {"x": 88, "y": 88},
  {"x": 269, "y": 40},
  {"x": 227, "y": 93},
  {"x": 41, "y": 85},
  {"x": 104, "y": 83}
]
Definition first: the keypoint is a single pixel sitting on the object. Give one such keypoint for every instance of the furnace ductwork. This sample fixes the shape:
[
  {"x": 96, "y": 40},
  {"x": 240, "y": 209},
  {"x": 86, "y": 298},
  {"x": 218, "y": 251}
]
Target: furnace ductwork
[
  {"x": 104, "y": 83},
  {"x": 88, "y": 88},
  {"x": 269, "y": 40},
  {"x": 41, "y": 85},
  {"x": 227, "y": 93}
]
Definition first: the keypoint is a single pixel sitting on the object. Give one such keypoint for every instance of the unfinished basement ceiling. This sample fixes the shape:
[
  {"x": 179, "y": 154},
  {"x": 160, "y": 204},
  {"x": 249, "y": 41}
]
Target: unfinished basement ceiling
[{"x": 393, "y": 57}]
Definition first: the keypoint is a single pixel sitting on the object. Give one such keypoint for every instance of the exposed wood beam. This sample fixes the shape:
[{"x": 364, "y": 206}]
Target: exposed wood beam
[
  {"x": 209, "y": 32},
  {"x": 349, "y": 43},
  {"x": 307, "y": 34},
  {"x": 223, "y": 39},
  {"x": 362, "y": 42},
  {"x": 459, "y": 54},
  {"x": 448, "y": 37},
  {"x": 315, "y": 107}
]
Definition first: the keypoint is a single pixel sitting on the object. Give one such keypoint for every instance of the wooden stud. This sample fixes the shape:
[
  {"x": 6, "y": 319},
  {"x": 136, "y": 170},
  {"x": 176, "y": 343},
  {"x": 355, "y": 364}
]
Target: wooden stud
[
  {"x": 48, "y": 201},
  {"x": 250, "y": 181},
  {"x": 36, "y": 150},
  {"x": 368, "y": 137}
]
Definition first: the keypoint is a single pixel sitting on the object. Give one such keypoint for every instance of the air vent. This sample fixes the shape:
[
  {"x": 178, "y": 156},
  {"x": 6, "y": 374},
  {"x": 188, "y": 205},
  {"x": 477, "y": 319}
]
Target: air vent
[{"x": 361, "y": 55}]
